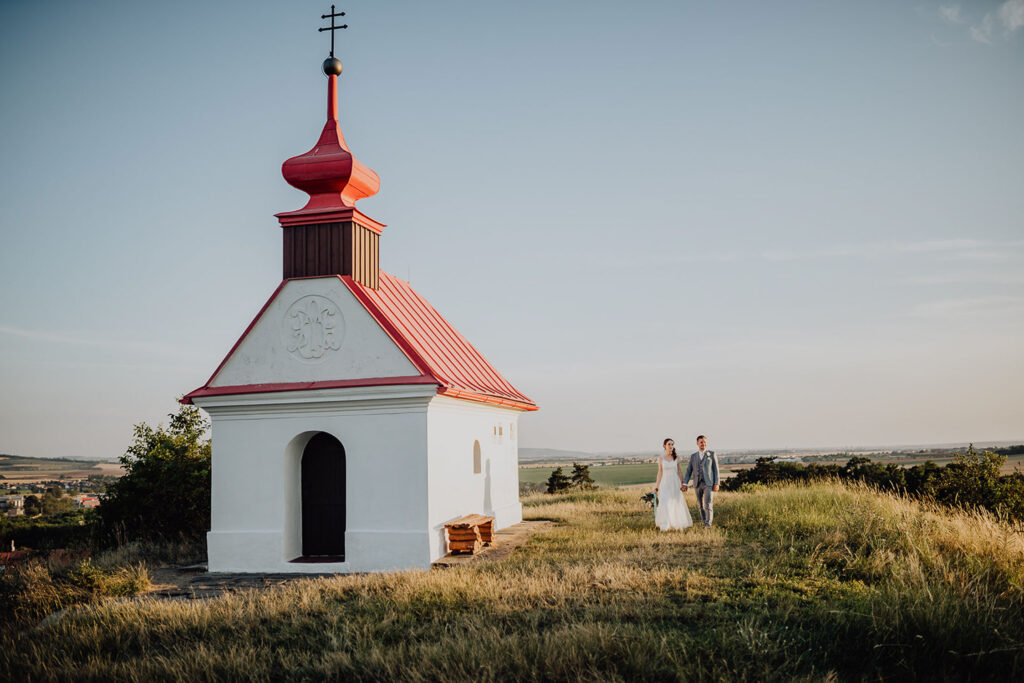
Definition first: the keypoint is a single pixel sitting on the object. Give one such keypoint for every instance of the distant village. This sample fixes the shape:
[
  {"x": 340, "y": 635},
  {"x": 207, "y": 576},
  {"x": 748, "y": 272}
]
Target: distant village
[{"x": 24, "y": 498}]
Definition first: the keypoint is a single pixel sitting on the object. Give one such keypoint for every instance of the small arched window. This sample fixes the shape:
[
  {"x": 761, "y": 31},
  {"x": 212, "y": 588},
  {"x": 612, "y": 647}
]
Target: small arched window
[{"x": 476, "y": 457}]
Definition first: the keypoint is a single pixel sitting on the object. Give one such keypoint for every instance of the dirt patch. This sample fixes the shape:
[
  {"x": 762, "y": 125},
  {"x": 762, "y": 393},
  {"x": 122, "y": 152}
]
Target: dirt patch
[{"x": 195, "y": 583}]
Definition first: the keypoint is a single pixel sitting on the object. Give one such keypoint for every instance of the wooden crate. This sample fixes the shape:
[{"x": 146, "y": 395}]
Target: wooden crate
[{"x": 469, "y": 534}]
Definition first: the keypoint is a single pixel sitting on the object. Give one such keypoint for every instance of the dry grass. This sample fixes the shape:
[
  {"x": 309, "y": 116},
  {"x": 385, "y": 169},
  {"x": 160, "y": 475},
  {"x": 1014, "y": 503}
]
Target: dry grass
[
  {"x": 43, "y": 587},
  {"x": 794, "y": 583},
  {"x": 161, "y": 553}
]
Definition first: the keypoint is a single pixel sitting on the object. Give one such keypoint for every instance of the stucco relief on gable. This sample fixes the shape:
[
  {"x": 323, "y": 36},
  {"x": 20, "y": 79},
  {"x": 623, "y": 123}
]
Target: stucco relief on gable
[{"x": 312, "y": 326}]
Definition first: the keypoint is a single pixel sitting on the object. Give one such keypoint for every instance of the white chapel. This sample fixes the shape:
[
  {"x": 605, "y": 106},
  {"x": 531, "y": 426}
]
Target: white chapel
[{"x": 351, "y": 421}]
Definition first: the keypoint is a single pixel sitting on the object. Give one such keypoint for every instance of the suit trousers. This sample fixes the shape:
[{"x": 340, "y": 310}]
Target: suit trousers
[{"x": 705, "y": 498}]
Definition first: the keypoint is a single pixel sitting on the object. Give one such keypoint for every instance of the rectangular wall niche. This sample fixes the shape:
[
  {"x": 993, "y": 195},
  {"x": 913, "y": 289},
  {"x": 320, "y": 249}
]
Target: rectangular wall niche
[{"x": 321, "y": 249}]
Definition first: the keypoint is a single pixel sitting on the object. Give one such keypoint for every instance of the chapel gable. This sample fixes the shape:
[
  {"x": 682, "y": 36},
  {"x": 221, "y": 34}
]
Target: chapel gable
[{"x": 312, "y": 331}]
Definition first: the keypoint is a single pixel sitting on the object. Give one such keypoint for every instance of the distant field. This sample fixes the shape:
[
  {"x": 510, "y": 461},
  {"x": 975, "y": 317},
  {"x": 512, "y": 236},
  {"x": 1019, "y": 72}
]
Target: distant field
[
  {"x": 605, "y": 475},
  {"x": 645, "y": 473},
  {"x": 16, "y": 468}
]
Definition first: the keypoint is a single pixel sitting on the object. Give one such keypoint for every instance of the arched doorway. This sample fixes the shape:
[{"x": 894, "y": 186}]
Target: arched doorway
[{"x": 323, "y": 498}]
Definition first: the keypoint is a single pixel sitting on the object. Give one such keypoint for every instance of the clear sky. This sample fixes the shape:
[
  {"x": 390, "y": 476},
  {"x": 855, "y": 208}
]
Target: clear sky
[{"x": 778, "y": 223}]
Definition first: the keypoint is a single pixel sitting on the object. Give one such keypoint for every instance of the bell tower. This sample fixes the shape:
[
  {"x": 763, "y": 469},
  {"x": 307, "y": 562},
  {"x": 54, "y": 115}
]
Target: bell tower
[{"x": 329, "y": 236}]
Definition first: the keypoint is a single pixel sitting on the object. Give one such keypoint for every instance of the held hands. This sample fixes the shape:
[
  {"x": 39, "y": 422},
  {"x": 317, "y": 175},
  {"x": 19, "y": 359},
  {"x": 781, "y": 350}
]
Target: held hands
[
  {"x": 715, "y": 487},
  {"x": 683, "y": 488}
]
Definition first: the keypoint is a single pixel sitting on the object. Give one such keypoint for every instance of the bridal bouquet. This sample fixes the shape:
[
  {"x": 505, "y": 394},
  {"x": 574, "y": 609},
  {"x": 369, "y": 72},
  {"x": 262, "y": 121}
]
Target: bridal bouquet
[{"x": 650, "y": 499}]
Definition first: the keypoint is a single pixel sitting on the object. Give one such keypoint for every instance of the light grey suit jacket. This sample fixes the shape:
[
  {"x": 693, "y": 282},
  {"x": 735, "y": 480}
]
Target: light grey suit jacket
[{"x": 710, "y": 468}]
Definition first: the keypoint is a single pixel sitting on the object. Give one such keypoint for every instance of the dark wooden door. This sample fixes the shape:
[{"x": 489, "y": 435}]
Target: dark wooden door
[{"x": 323, "y": 497}]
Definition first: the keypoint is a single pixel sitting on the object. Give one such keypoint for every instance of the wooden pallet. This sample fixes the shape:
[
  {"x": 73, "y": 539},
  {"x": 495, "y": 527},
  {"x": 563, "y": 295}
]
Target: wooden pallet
[{"x": 469, "y": 534}]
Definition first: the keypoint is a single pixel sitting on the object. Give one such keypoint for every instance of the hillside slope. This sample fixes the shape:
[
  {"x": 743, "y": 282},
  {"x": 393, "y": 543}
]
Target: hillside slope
[
  {"x": 19, "y": 469},
  {"x": 792, "y": 583}
]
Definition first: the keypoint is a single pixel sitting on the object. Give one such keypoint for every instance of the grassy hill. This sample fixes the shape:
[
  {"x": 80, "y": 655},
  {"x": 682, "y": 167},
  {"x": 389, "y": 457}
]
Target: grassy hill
[
  {"x": 815, "y": 582},
  {"x": 554, "y": 455},
  {"x": 19, "y": 463}
]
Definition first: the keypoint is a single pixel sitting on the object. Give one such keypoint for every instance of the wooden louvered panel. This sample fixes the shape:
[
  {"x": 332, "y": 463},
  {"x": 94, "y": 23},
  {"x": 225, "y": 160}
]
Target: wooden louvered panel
[{"x": 322, "y": 249}]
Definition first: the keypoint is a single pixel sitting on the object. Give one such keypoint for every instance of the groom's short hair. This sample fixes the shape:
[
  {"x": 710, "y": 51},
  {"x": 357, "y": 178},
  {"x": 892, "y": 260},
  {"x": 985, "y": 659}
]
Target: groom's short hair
[{"x": 702, "y": 437}]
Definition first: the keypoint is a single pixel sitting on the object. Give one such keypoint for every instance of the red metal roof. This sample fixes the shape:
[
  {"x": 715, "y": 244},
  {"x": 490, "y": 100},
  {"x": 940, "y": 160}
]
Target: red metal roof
[
  {"x": 433, "y": 345},
  {"x": 439, "y": 352}
]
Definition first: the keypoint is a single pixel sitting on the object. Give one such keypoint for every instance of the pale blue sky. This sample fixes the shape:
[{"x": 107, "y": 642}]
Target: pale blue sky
[{"x": 779, "y": 223}]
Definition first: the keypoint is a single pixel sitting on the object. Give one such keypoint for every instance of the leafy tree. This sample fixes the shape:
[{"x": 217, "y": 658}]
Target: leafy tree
[
  {"x": 557, "y": 481},
  {"x": 32, "y": 506},
  {"x": 165, "y": 491},
  {"x": 54, "y": 501},
  {"x": 581, "y": 477}
]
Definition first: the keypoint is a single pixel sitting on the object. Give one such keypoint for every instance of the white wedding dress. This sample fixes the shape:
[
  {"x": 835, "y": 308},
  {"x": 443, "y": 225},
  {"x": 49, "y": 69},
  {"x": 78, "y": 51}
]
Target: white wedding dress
[{"x": 672, "y": 511}]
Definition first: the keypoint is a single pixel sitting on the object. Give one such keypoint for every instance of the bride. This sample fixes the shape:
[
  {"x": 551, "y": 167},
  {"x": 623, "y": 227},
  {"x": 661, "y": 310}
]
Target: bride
[{"x": 672, "y": 512}]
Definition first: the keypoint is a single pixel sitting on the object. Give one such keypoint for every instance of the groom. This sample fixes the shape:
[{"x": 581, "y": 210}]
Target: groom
[{"x": 704, "y": 468}]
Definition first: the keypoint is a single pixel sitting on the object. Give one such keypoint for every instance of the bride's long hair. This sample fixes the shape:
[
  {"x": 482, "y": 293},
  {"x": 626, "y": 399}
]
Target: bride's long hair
[{"x": 674, "y": 456}]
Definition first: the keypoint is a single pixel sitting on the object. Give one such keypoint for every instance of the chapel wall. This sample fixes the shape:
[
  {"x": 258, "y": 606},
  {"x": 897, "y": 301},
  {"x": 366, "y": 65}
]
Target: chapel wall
[
  {"x": 454, "y": 488},
  {"x": 256, "y": 514}
]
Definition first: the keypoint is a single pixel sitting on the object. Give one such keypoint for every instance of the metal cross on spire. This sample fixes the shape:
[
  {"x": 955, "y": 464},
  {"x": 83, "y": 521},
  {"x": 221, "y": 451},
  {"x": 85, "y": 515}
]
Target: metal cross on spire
[{"x": 332, "y": 28}]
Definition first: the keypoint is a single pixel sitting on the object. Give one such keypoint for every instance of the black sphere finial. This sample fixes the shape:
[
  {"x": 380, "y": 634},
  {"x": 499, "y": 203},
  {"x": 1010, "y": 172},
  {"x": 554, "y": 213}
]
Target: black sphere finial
[{"x": 332, "y": 66}]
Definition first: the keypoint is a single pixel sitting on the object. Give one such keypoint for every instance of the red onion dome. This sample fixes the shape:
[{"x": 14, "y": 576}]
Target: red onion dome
[{"x": 329, "y": 173}]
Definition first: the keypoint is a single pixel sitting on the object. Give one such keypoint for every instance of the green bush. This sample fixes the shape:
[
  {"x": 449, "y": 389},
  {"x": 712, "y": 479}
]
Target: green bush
[
  {"x": 1011, "y": 496},
  {"x": 165, "y": 491},
  {"x": 923, "y": 480},
  {"x": 68, "y": 530},
  {"x": 972, "y": 480}
]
